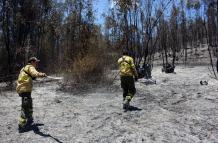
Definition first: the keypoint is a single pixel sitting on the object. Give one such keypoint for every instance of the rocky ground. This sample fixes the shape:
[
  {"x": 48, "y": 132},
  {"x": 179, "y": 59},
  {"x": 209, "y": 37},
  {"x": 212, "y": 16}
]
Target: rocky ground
[{"x": 178, "y": 109}]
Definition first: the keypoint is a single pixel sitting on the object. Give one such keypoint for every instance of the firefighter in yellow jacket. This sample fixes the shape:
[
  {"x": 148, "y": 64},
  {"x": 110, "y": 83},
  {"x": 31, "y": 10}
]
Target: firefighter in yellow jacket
[
  {"x": 127, "y": 74},
  {"x": 24, "y": 89}
]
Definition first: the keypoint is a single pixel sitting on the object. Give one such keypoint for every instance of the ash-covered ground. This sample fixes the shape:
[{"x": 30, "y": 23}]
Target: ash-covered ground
[{"x": 178, "y": 109}]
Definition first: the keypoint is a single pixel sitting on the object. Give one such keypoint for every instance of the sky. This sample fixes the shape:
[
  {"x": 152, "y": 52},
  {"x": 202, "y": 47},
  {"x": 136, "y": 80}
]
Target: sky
[{"x": 100, "y": 7}]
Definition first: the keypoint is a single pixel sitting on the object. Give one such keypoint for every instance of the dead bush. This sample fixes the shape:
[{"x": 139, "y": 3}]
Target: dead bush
[
  {"x": 88, "y": 69},
  {"x": 85, "y": 72}
]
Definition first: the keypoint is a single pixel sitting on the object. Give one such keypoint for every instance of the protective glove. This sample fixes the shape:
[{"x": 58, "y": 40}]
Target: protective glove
[{"x": 43, "y": 74}]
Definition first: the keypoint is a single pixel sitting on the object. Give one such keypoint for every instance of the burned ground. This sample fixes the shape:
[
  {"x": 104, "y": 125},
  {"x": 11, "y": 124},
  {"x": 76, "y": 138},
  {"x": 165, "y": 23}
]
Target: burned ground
[{"x": 176, "y": 109}]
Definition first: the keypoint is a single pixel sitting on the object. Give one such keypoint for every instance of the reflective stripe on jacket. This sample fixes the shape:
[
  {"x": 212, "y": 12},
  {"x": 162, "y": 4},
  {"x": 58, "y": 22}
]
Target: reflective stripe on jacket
[
  {"x": 25, "y": 81},
  {"x": 126, "y": 66}
]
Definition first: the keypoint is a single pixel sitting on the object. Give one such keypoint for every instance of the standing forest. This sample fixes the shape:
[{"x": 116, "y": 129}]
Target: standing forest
[{"x": 65, "y": 36}]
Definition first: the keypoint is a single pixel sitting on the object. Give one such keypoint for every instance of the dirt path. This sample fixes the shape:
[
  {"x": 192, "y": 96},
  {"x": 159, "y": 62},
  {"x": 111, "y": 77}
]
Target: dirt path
[{"x": 177, "y": 109}]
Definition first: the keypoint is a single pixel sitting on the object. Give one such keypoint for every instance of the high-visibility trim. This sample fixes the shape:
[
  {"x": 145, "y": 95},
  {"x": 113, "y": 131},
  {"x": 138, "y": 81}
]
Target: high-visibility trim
[
  {"x": 22, "y": 121},
  {"x": 128, "y": 97}
]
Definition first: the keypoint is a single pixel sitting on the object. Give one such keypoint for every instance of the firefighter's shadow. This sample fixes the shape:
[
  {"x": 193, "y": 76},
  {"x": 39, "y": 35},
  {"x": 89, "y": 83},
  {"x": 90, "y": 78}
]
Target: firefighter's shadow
[
  {"x": 36, "y": 130},
  {"x": 133, "y": 108}
]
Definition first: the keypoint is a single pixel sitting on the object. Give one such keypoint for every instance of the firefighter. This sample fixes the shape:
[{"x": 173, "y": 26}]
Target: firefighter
[
  {"x": 127, "y": 74},
  {"x": 24, "y": 89}
]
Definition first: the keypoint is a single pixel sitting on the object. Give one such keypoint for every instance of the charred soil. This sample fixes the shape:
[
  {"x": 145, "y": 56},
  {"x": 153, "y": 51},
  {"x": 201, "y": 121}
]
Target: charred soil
[{"x": 176, "y": 109}]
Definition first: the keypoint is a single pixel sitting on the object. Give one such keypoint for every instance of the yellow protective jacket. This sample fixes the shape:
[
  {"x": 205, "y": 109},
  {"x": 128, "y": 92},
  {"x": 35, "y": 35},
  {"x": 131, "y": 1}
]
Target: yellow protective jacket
[
  {"x": 25, "y": 81},
  {"x": 126, "y": 66}
]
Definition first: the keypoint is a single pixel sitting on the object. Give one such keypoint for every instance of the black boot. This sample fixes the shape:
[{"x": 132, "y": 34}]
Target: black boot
[
  {"x": 22, "y": 129},
  {"x": 29, "y": 122},
  {"x": 126, "y": 105}
]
